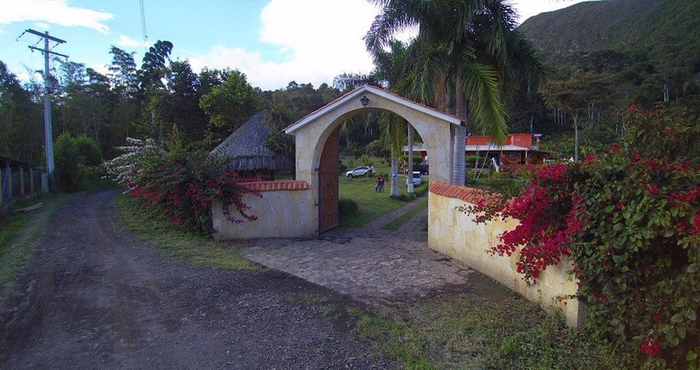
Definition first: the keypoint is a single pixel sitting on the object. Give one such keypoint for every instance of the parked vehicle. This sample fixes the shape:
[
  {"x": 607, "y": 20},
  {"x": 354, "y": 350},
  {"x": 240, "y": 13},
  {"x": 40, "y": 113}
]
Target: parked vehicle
[
  {"x": 361, "y": 171},
  {"x": 417, "y": 178},
  {"x": 423, "y": 168}
]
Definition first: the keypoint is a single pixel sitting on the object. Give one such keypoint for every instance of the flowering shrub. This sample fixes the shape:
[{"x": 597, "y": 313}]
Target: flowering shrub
[
  {"x": 629, "y": 221},
  {"x": 182, "y": 184}
]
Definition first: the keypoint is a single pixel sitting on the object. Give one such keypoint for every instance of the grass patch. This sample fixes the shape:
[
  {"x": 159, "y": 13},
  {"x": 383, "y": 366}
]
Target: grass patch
[
  {"x": 21, "y": 232},
  {"x": 468, "y": 331},
  {"x": 152, "y": 228},
  {"x": 372, "y": 204},
  {"x": 396, "y": 223}
]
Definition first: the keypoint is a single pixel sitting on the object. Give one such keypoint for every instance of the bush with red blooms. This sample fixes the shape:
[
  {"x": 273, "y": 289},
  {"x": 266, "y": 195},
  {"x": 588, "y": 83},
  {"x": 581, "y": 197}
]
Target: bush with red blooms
[
  {"x": 629, "y": 220},
  {"x": 181, "y": 184}
]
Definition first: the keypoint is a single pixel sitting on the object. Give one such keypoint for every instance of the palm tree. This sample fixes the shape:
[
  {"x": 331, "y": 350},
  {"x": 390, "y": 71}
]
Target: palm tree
[
  {"x": 464, "y": 56},
  {"x": 390, "y": 67}
]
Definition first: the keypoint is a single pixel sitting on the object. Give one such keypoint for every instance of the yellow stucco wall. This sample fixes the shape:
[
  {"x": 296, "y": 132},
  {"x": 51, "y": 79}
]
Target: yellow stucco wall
[
  {"x": 456, "y": 234},
  {"x": 281, "y": 214}
]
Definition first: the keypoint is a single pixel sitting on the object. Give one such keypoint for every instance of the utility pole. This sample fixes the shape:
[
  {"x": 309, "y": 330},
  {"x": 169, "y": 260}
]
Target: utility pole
[{"x": 48, "y": 135}]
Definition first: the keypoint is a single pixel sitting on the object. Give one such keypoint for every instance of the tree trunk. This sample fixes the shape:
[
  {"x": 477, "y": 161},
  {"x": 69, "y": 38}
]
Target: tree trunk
[
  {"x": 575, "y": 137},
  {"x": 409, "y": 175},
  {"x": 394, "y": 176}
]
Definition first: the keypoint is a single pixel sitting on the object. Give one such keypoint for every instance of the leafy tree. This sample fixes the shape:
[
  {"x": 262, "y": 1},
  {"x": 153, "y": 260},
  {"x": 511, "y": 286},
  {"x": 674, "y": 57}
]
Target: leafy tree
[
  {"x": 154, "y": 67},
  {"x": 229, "y": 105},
  {"x": 123, "y": 78},
  {"x": 464, "y": 52},
  {"x": 179, "y": 182},
  {"x": 179, "y": 104},
  {"x": 629, "y": 221},
  {"x": 21, "y": 124},
  {"x": 123, "y": 74},
  {"x": 377, "y": 149},
  {"x": 86, "y": 104},
  {"x": 579, "y": 94},
  {"x": 77, "y": 161}
]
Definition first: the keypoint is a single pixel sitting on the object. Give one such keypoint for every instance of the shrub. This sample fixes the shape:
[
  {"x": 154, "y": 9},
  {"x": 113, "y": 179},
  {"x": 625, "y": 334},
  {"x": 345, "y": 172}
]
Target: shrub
[
  {"x": 78, "y": 161},
  {"x": 347, "y": 208},
  {"x": 630, "y": 222},
  {"x": 182, "y": 183}
]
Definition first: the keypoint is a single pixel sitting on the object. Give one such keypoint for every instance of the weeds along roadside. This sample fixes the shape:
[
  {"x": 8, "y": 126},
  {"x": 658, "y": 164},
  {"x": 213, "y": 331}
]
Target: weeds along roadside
[{"x": 22, "y": 231}]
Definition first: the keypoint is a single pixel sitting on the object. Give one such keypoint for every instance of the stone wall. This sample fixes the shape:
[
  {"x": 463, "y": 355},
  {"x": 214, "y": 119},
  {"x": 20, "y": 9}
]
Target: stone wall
[
  {"x": 285, "y": 210},
  {"x": 454, "y": 233}
]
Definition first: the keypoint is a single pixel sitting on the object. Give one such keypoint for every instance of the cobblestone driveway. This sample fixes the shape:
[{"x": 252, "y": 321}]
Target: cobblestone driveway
[{"x": 368, "y": 263}]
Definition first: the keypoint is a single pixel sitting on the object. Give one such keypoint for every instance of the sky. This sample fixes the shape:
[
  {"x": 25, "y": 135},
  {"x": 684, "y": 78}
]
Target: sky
[{"x": 272, "y": 42}]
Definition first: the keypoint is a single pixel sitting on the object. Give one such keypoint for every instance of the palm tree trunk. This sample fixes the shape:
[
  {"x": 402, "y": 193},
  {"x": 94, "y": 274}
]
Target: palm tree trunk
[
  {"x": 409, "y": 175},
  {"x": 394, "y": 176}
]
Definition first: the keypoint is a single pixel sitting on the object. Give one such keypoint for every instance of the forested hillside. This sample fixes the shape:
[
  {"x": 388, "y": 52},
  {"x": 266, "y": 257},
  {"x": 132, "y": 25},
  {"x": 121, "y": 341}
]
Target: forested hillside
[
  {"x": 606, "y": 55},
  {"x": 658, "y": 27}
]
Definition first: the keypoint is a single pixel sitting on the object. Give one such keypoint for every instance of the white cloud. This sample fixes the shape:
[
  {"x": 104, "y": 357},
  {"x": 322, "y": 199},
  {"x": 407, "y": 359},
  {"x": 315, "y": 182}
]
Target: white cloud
[
  {"x": 316, "y": 46},
  {"x": 126, "y": 41},
  {"x": 52, "y": 11}
]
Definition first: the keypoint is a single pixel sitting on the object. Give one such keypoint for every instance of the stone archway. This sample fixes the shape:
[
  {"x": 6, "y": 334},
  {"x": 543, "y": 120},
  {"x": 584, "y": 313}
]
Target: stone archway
[{"x": 443, "y": 136}]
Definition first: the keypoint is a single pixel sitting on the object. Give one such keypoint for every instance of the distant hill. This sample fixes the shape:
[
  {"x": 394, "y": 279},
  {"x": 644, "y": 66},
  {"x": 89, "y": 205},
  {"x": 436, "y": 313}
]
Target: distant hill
[{"x": 659, "y": 28}]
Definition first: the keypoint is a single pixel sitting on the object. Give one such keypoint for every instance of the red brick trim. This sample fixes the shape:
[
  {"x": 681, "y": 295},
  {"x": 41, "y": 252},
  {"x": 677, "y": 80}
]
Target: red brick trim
[
  {"x": 465, "y": 193},
  {"x": 261, "y": 186}
]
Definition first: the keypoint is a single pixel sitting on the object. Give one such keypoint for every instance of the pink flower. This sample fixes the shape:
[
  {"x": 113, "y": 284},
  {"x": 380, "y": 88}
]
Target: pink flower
[{"x": 650, "y": 348}]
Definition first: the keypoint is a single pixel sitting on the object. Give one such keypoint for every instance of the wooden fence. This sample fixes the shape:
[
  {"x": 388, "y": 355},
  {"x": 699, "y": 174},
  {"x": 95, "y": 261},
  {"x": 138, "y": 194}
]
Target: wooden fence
[{"x": 18, "y": 179}]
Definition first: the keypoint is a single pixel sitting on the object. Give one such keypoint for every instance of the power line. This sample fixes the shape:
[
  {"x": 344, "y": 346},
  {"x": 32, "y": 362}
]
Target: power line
[{"x": 143, "y": 23}]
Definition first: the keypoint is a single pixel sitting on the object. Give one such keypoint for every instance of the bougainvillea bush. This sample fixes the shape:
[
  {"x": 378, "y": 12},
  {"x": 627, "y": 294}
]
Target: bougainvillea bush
[
  {"x": 629, "y": 220},
  {"x": 180, "y": 183}
]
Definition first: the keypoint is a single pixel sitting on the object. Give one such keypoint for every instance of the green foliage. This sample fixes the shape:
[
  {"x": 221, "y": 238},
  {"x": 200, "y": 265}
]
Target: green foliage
[
  {"x": 650, "y": 47},
  {"x": 21, "y": 233},
  {"x": 149, "y": 225},
  {"x": 630, "y": 222},
  {"x": 377, "y": 149},
  {"x": 229, "y": 105},
  {"x": 470, "y": 331},
  {"x": 347, "y": 209},
  {"x": 78, "y": 161},
  {"x": 20, "y": 121},
  {"x": 180, "y": 182},
  {"x": 416, "y": 159}
]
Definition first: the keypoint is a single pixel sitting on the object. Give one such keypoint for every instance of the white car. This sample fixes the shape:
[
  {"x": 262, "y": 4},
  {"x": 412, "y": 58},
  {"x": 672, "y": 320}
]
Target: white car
[
  {"x": 417, "y": 178},
  {"x": 360, "y": 171}
]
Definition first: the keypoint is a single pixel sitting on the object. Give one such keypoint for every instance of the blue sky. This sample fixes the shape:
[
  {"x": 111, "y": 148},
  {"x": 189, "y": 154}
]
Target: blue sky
[{"x": 272, "y": 41}]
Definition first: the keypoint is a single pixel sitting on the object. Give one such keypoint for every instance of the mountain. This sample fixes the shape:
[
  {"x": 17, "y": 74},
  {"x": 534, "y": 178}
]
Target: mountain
[{"x": 662, "y": 29}]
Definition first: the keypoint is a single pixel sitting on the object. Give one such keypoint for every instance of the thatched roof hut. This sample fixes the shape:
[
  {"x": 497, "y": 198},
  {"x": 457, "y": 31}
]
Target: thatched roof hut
[{"x": 246, "y": 148}]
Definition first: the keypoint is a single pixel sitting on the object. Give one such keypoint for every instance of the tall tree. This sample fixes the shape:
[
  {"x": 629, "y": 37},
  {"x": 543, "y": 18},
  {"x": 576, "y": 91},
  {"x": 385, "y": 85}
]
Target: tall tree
[
  {"x": 390, "y": 67},
  {"x": 577, "y": 95},
  {"x": 229, "y": 105},
  {"x": 21, "y": 125},
  {"x": 154, "y": 68},
  {"x": 123, "y": 78},
  {"x": 464, "y": 52}
]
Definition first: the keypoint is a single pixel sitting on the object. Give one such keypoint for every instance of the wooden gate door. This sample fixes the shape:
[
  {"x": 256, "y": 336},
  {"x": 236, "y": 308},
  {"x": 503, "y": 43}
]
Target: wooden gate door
[{"x": 328, "y": 174}]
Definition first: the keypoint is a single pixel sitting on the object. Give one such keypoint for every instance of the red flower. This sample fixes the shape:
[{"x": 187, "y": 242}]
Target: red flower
[{"x": 650, "y": 348}]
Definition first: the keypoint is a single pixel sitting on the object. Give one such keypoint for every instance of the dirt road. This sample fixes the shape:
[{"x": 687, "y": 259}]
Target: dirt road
[{"x": 94, "y": 297}]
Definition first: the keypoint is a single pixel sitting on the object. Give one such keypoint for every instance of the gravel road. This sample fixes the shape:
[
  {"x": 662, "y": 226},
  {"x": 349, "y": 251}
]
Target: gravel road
[{"x": 95, "y": 297}]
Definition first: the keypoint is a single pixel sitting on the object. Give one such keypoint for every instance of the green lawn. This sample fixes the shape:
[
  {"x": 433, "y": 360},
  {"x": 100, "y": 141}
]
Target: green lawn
[{"x": 373, "y": 204}]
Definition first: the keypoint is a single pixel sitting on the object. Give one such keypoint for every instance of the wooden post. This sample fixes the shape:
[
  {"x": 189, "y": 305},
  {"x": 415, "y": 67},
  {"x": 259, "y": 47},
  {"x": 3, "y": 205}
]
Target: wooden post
[{"x": 21, "y": 180}]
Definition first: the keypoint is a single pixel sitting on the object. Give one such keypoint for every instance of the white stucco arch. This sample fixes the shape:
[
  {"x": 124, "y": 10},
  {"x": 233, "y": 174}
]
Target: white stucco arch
[{"x": 443, "y": 134}]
